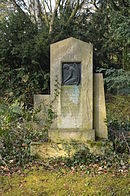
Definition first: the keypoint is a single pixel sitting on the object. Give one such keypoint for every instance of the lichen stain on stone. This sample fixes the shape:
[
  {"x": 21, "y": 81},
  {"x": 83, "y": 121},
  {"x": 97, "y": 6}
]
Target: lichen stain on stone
[{"x": 75, "y": 95}]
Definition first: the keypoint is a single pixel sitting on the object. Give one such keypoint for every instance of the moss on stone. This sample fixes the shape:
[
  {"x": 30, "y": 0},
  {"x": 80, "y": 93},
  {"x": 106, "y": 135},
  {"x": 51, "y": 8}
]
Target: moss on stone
[{"x": 95, "y": 143}]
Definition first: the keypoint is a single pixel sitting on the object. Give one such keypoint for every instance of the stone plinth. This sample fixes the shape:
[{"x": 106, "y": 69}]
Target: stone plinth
[{"x": 68, "y": 135}]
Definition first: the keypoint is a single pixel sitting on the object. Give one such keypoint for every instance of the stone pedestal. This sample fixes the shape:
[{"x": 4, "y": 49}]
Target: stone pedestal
[{"x": 80, "y": 114}]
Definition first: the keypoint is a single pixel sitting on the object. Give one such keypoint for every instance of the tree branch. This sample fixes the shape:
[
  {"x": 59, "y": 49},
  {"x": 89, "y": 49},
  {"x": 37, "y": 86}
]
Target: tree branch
[
  {"x": 53, "y": 15},
  {"x": 77, "y": 6},
  {"x": 73, "y": 13},
  {"x": 46, "y": 16},
  {"x": 51, "y": 6},
  {"x": 17, "y": 6},
  {"x": 48, "y": 6},
  {"x": 95, "y": 5}
]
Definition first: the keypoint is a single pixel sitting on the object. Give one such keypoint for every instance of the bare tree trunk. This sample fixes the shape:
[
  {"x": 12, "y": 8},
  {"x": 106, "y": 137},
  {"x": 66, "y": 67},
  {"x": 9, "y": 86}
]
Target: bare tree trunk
[
  {"x": 35, "y": 11},
  {"x": 42, "y": 10},
  {"x": 53, "y": 15}
]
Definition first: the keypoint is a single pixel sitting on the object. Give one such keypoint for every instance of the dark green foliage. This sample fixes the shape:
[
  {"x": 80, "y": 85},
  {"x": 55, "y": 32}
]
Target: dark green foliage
[
  {"x": 119, "y": 31},
  {"x": 22, "y": 85},
  {"x": 84, "y": 157},
  {"x": 24, "y": 54},
  {"x": 18, "y": 128},
  {"x": 118, "y": 133},
  {"x": 108, "y": 34},
  {"x": 83, "y": 160},
  {"x": 15, "y": 42},
  {"x": 117, "y": 81},
  {"x": 118, "y": 121}
]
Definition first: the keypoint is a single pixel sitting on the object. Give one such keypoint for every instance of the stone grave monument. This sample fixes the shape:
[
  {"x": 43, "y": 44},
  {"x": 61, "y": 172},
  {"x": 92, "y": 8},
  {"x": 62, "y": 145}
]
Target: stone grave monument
[{"x": 80, "y": 103}]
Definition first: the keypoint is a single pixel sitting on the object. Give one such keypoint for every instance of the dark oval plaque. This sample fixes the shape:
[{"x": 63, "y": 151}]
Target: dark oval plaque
[{"x": 71, "y": 73}]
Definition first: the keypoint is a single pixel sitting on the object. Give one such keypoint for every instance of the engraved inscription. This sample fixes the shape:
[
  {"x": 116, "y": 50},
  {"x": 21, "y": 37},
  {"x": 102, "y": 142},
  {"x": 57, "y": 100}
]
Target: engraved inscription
[{"x": 71, "y": 73}]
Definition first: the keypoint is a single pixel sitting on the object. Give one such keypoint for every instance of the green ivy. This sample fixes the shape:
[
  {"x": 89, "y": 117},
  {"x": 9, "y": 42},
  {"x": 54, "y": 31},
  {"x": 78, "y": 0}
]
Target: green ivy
[{"x": 18, "y": 128}]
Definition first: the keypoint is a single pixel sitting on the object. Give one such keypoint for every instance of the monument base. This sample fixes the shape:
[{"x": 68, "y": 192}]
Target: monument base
[
  {"x": 51, "y": 149},
  {"x": 82, "y": 135}
]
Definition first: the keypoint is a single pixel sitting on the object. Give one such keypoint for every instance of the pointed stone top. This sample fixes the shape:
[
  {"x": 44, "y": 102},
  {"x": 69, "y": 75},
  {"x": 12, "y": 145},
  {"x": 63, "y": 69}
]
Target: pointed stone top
[{"x": 71, "y": 39}]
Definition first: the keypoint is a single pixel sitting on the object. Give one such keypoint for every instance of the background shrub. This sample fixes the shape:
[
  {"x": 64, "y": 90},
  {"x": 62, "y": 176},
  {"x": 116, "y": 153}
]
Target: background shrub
[
  {"x": 18, "y": 128},
  {"x": 118, "y": 121},
  {"x": 117, "y": 81},
  {"x": 24, "y": 59}
]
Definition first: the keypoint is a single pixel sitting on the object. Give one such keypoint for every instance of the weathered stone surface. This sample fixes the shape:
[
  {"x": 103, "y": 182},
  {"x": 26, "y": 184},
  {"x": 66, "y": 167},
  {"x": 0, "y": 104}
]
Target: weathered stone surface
[
  {"x": 75, "y": 119},
  {"x": 100, "y": 125},
  {"x": 68, "y": 148},
  {"x": 68, "y": 135},
  {"x": 74, "y": 104},
  {"x": 71, "y": 107},
  {"x": 45, "y": 150},
  {"x": 42, "y": 102}
]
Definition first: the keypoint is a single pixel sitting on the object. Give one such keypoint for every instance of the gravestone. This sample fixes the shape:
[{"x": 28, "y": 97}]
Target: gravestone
[{"x": 80, "y": 103}]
